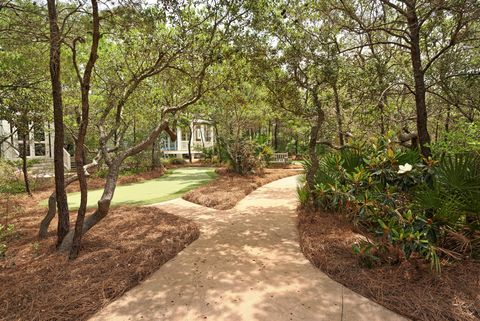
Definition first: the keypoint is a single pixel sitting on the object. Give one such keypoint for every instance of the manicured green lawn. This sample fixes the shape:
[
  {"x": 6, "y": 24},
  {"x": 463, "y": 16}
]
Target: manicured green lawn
[{"x": 172, "y": 185}]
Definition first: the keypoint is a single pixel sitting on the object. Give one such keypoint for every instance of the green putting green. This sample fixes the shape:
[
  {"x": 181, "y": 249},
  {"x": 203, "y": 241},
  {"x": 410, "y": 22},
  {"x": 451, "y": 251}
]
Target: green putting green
[{"x": 172, "y": 185}]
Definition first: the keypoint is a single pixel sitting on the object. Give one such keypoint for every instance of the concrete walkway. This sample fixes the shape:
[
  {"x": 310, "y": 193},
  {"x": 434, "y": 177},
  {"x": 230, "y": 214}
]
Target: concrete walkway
[{"x": 246, "y": 265}]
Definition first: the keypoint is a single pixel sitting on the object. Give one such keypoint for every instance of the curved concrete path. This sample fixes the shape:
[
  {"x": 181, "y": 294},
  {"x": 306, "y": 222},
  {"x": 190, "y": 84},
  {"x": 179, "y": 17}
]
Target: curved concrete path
[{"x": 246, "y": 265}]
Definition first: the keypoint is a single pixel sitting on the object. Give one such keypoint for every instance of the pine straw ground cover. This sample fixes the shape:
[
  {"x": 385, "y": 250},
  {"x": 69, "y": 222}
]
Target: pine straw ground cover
[
  {"x": 409, "y": 288},
  {"x": 229, "y": 188},
  {"x": 37, "y": 283}
]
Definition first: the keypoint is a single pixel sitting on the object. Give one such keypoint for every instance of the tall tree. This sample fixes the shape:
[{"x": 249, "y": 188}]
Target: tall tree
[
  {"x": 55, "y": 75},
  {"x": 407, "y": 23}
]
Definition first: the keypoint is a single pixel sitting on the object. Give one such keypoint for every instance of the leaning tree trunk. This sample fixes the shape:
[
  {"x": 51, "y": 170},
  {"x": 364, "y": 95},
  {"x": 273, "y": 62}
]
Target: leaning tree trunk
[
  {"x": 419, "y": 77},
  {"x": 102, "y": 208},
  {"x": 52, "y": 201},
  {"x": 62, "y": 205},
  {"x": 103, "y": 205}
]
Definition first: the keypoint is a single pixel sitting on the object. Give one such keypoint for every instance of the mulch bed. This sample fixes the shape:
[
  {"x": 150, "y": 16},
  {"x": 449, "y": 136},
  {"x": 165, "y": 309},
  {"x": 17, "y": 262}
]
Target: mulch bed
[
  {"x": 38, "y": 283},
  {"x": 409, "y": 288},
  {"x": 229, "y": 188}
]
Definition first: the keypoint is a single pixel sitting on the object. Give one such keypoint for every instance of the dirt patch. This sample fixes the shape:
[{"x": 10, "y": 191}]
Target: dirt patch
[
  {"x": 40, "y": 284},
  {"x": 408, "y": 288},
  {"x": 229, "y": 188}
]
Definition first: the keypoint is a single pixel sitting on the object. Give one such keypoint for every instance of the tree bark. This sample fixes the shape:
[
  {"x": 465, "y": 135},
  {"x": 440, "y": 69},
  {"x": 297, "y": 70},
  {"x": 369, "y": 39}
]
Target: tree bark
[
  {"x": 55, "y": 63},
  {"x": 102, "y": 208},
  {"x": 275, "y": 136},
  {"x": 24, "y": 165},
  {"x": 312, "y": 148},
  {"x": 338, "y": 114},
  {"x": 419, "y": 78},
  {"x": 52, "y": 201},
  {"x": 82, "y": 132},
  {"x": 190, "y": 143}
]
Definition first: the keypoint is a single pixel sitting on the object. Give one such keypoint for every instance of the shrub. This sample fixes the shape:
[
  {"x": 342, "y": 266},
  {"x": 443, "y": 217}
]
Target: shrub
[
  {"x": 414, "y": 207},
  {"x": 208, "y": 153},
  {"x": 9, "y": 180},
  {"x": 6, "y": 231},
  {"x": 177, "y": 161},
  {"x": 244, "y": 157}
]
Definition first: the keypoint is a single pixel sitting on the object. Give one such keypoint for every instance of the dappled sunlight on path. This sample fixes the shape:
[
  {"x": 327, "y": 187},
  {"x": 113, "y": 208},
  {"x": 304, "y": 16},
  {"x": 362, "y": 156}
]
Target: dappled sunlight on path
[{"x": 246, "y": 265}]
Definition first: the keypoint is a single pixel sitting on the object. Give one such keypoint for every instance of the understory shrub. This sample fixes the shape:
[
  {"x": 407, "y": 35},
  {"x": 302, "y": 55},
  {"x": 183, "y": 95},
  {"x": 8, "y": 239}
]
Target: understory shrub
[
  {"x": 177, "y": 161},
  {"x": 244, "y": 156},
  {"x": 6, "y": 231},
  {"x": 415, "y": 208},
  {"x": 9, "y": 178}
]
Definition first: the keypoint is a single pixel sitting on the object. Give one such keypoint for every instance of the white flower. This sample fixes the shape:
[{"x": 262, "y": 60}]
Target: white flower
[{"x": 404, "y": 168}]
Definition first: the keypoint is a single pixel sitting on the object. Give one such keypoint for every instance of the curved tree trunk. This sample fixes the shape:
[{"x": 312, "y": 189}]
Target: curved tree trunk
[
  {"x": 52, "y": 200},
  {"x": 102, "y": 209}
]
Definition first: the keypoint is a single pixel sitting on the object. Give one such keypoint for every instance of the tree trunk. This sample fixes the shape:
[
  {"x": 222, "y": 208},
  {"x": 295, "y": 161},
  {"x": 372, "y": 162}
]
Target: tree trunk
[
  {"x": 447, "y": 119},
  {"x": 52, "y": 200},
  {"x": 55, "y": 41},
  {"x": 419, "y": 77},
  {"x": 103, "y": 204},
  {"x": 338, "y": 114},
  {"x": 190, "y": 144},
  {"x": 154, "y": 159},
  {"x": 24, "y": 165},
  {"x": 312, "y": 148},
  {"x": 275, "y": 136},
  {"x": 82, "y": 133}
]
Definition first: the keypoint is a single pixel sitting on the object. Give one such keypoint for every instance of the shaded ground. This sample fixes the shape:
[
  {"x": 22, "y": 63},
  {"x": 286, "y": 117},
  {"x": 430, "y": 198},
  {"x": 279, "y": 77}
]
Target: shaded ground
[
  {"x": 229, "y": 188},
  {"x": 171, "y": 185},
  {"x": 39, "y": 284},
  {"x": 410, "y": 288},
  {"x": 246, "y": 265}
]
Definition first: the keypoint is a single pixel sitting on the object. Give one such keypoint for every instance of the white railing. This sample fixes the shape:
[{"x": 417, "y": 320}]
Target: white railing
[
  {"x": 280, "y": 158},
  {"x": 67, "y": 160}
]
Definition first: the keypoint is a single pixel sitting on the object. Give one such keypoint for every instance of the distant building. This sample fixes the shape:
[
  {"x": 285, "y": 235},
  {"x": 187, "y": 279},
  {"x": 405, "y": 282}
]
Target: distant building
[
  {"x": 39, "y": 144},
  {"x": 39, "y": 141},
  {"x": 203, "y": 136}
]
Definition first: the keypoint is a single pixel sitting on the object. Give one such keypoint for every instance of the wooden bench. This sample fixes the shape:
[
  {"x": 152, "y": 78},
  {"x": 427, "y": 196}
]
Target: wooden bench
[{"x": 279, "y": 158}]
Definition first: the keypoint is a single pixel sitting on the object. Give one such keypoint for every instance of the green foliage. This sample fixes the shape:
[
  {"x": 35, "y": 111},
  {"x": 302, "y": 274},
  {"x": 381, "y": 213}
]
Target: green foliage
[
  {"x": 464, "y": 139},
  {"x": 177, "y": 161},
  {"x": 245, "y": 157},
  {"x": 9, "y": 180},
  {"x": 208, "y": 154},
  {"x": 265, "y": 152},
  {"x": 410, "y": 205},
  {"x": 5, "y": 233}
]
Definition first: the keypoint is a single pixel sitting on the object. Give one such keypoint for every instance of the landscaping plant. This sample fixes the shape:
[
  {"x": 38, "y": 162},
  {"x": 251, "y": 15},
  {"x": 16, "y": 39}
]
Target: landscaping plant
[{"x": 407, "y": 206}]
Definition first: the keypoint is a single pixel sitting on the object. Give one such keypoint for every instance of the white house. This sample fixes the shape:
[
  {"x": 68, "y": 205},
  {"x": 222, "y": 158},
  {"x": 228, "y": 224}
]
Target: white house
[
  {"x": 39, "y": 141},
  {"x": 203, "y": 136},
  {"x": 39, "y": 144}
]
